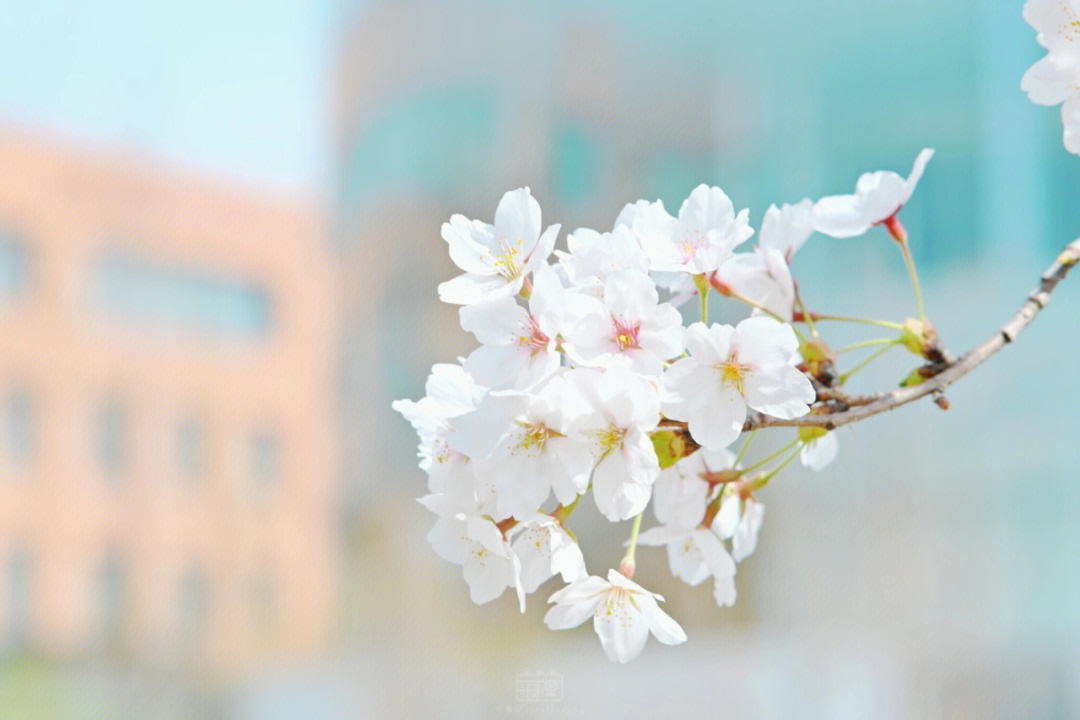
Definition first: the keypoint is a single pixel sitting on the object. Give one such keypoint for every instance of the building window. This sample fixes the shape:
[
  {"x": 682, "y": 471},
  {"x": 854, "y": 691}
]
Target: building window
[
  {"x": 18, "y": 425},
  {"x": 111, "y": 440},
  {"x": 17, "y": 582},
  {"x": 194, "y": 607},
  {"x": 436, "y": 141},
  {"x": 111, "y": 599},
  {"x": 576, "y": 164},
  {"x": 191, "y": 448},
  {"x": 14, "y": 264},
  {"x": 264, "y": 601},
  {"x": 265, "y": 459},
  {"x": 157, "y": 296}
]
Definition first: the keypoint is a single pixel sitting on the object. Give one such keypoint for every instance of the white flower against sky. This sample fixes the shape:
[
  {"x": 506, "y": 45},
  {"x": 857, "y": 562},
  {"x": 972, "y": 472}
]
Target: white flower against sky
[
  {"x": 819, "y": 450},
  {"x": 1056, "y": 77},
  {"x": 787, "y": 228},
  {"x": 529, "y": 446},
  {"x": 635, "y": 326},
  {"x": 496, "y": 258},
  {"x": 624, "y": 408},
  {"x": 545, "y": 549},
  {"x": 623, "y": 614},
  {"x": 762, "y": 276},
  {"x": 740, "y": 520},
  {"x": 475, "y": 543},
  {"x": 699, "y": 240},
  {"x": 730, "y": 368},
  {"x": 878, "y": 196}
]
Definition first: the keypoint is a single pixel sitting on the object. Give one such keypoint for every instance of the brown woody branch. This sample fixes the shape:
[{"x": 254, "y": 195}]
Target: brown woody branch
[{"x": 833, "y": 408}]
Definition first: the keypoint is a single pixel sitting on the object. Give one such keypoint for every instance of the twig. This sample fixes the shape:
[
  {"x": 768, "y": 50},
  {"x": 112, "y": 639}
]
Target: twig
[{"x": 831, "y": 411}]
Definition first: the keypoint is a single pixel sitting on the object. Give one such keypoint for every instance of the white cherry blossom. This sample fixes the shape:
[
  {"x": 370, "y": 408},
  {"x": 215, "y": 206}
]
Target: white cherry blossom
[
  {"x": 740, "y": 520},
  {"x": 545, "y": 549},
  {"x": 731, "y": 368},
  {"x": 474, "y": 542},
  {"x": 1056, "y": 77},
  {"x": 594, "y": 256},
  {"x": 451, "y": 393},
  {"x": 763, "y": 277},
  {"x": 624, "y": 408},
  {"x": 699, "y": 240},
  {"x": 518, "y": 347},
  {"x": 680, "y": 497},
  {"x": 820, "y": 449},
  {"x": 496, "y": 258},
  {"x": 529, "y": 445},
  {"x": 787, "y": 228},
  {"x": 635, "y": 326},
  {"x": 878, "y": 196},
  {"x": 623, "y": 614}
]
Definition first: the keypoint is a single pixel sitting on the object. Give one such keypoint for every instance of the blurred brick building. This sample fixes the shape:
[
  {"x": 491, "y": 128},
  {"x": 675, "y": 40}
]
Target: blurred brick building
[{"x": 168, "y": 445}]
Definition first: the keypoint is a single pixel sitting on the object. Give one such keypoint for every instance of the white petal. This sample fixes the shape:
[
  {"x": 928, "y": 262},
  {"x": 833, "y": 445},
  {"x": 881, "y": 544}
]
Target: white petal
[
  {"x": 466, "y": 289},
  {"x": 839, "y": 216},
  {"x": 517, "y": 218},
  {"x": 621, "y": 626},
  {"x": 570, "y": 615},
  {"x": 717, "y": 420},
  {"x": 468, "y": 242},
  {"x": 662, "y": 625},
  {"x": 820, "y": 451},
  {"x": 1070, "y": 117}
]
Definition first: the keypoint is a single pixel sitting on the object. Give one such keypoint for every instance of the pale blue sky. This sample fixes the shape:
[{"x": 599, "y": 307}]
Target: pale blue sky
[{"x": 240, "y": 85}]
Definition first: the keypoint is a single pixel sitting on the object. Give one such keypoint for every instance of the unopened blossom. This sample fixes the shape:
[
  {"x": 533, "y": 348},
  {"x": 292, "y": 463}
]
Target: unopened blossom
[
  {"x": 634, "y": 326},
  {"x": 529, "y": 445},
  {"x": 819, "y": 448},
  {"x": 739, "y": 520},
  {"x": 680, "y": 497},
  {"x": 623, "y": 614},
  {"x": 474, "y": 542},
  {"x": 624, "y": 408},
  {"x": 496, "y": 258},
  {"x": 545, "y": 549},
  {"x": 730, "y": 369},
  {"x": 699, "y": 240},
  {"x": 878, "y": 197},
  {"x": 786, "y": 228},
  {"x": 763, "y": 277},
  {"x": 1056, "y": 77}
]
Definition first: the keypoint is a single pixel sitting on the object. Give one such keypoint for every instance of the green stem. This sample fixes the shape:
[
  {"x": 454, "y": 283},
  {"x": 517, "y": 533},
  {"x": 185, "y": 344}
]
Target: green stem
[
  {"x": 869, "y": 359},
  {"x": 770, "y": 457},
  {"x": 869, "y": 343},
  {"x": 805, "y": 313},
  {"x": 862, "y": 321},
  {"x": 742, "y": 298},
  {"x": 905, "y": 250},
  {"x": 702, "y": 283},
  {"x": 772, "y": 473},
  {"x": 626, "y": 567},
  {"x": 743, "y": 449}
]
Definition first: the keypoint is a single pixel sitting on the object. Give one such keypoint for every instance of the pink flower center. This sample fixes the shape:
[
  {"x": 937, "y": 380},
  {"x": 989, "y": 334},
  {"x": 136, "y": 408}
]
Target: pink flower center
[
  {"x": 692, "y": 242},
  {"x": 536, "y": 340},
  {"x": 625, "y": 334}
]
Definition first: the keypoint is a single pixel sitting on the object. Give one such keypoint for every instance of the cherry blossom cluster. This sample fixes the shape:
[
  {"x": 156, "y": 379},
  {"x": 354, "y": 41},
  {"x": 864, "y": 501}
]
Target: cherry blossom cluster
[
  {"x": 587, "y": 382},
  {"x": 1055, "y": 79}
]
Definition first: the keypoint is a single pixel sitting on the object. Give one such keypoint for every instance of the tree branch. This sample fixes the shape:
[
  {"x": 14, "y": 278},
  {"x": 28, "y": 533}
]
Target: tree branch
[{"x": 834, "y": 409}]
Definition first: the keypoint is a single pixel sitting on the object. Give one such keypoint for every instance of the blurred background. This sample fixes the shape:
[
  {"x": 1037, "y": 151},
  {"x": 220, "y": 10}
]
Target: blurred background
[{"x": 219, "y": 246}]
